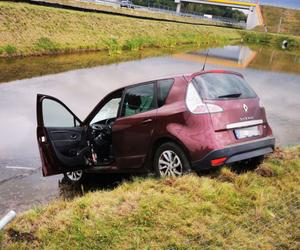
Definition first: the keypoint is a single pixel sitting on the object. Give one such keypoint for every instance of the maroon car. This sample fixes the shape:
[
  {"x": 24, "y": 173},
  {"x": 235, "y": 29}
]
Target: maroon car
[{"x": 168, "y": 126}]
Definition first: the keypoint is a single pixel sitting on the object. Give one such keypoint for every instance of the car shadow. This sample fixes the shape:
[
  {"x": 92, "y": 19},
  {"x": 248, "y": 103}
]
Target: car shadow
[{"x": 95, "y": 182}]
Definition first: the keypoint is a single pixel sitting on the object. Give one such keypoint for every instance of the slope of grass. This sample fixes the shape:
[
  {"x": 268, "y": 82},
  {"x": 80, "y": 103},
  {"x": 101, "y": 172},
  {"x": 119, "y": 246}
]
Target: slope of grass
[
  {"x": 290, "y": 20},
  {"x": 32, "y": 30},
  {"x": 271, "y": 39},
  {"x": 227, "y": 210},
  {"x": 124, "y": 11}
]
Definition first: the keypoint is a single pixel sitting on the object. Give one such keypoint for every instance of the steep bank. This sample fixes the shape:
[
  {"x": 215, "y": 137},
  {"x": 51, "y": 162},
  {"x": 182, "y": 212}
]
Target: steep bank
[
  {"x": 34, "y": 30},
  {"x": 281, "y": 20},
  {"x": 225, "y": 210}
]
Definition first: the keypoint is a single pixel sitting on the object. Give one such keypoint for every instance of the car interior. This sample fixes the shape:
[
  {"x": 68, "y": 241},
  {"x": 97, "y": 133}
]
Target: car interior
[
  {"x": 137, "y": 100},
  {"x": 100, "y": 132}
]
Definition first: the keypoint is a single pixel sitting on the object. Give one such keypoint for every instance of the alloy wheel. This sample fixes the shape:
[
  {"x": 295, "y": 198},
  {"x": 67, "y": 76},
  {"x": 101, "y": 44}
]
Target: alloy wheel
[
  {"x": 75, "y": 175},
  {"x": 169, "y": 164}
]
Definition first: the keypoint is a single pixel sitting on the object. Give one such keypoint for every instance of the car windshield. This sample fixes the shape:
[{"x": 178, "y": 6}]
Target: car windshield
[{"x": 213, "y": 86}]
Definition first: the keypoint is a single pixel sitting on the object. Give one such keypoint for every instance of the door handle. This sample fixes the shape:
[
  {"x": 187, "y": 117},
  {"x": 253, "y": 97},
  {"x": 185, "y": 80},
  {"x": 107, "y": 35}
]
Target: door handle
[
  {"x": 146, "y": 121},
  {"x": 74, "y": 137}
]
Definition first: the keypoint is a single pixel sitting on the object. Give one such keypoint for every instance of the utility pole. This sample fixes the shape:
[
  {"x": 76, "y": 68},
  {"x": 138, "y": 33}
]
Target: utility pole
[
  {"x": 279, "y": 25},
  {"x": 280, "y": 21}
]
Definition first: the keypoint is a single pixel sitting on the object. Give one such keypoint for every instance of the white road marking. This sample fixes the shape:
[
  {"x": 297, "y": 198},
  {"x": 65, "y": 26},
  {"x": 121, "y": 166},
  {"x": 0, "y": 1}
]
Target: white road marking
[{"x": 17, "y": 167}]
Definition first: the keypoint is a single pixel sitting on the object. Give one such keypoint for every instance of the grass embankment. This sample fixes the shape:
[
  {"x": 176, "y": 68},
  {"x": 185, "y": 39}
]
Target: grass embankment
[
  {"x": 32, "y": 30},
  {"x": 253, "y": 210},
  {"x": 290, "y": 22},
  {"x": 270, "y": 39},
  {"x": 137, "y": 12},
  {"x": 288, "y": 30}
]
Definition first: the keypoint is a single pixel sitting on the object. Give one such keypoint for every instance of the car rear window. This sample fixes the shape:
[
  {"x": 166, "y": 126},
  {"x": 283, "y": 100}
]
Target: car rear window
[{"x": 213, "y": 86}]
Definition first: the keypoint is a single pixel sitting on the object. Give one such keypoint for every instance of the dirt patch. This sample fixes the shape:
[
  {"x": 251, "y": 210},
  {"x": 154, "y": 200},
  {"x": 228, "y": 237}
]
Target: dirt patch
[
  {"x": 19, "y": 236},
  {"x": 226, "y": 175},
  {"x": 169, "y": 181},
  {"x": 265, "y": 171}
]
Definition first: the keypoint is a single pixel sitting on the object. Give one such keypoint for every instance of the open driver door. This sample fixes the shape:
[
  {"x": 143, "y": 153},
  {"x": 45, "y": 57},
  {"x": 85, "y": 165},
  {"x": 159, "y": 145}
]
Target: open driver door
[{"x": 61, "y": 136}]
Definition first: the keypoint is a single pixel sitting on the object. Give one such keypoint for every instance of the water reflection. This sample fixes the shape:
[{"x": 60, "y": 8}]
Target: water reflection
[
  {"x": 246, "y": 57},
  {"x": 229, "y": 56},
  {"x": 20, "y": 68}
]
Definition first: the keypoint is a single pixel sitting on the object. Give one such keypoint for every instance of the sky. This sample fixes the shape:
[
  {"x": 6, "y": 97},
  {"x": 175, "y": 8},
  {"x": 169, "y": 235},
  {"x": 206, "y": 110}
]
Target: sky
[{"x": 284, "y": 3}]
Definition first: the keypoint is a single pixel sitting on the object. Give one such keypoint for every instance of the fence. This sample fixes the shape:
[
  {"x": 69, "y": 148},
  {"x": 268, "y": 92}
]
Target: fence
[{"x": 172, "y": 11}]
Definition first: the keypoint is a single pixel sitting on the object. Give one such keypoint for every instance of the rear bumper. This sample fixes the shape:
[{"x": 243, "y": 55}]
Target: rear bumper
[{"x": 237, "y": 152}]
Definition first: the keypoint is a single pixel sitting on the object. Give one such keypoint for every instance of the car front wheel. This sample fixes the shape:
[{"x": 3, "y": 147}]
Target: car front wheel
[
  {"x": 170, "y": 160},
  {"x": 75, "y": 176}
]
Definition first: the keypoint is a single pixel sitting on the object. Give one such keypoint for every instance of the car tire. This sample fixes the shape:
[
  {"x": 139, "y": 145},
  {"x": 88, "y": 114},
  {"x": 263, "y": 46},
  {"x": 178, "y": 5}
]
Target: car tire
[
  {"x": 170, "y": 160},
  {"x": 75, "y": 177}
]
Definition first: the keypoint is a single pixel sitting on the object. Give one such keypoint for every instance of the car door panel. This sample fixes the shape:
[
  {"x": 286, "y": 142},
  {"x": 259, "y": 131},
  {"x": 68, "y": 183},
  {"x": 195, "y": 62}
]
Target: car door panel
[
  {"x": 65, "y": 137},
  {"x": 62, "y": 148},
  {"x": 132, "y": 137},
  {"x": 133, "y": 131}
]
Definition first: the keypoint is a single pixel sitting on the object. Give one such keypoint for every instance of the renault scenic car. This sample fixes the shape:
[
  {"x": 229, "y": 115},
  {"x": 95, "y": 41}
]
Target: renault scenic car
[{"x": 168, "y": 126}]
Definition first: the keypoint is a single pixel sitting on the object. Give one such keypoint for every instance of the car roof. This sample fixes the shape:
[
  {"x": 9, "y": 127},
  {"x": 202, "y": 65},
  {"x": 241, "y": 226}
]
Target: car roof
[{"x": 187, "y": 76}]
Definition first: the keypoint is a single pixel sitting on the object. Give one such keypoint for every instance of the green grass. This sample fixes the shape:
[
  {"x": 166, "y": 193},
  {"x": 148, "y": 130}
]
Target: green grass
[
  {"x": 8, "y": 49},
  {"x": 290, "y": 20},
  {"x": 35, "y": 30},
  {"x": 270, "y": 39},
  {"x": 225, "y": 210},
  {"x": 46, "y": 44}
]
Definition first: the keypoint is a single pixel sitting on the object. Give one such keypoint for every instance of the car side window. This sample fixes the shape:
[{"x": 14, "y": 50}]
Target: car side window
[
  {"x": 56, "y": 115},
  {"x": 139, "y": 99},
  {"x": 164, "y": 87}
]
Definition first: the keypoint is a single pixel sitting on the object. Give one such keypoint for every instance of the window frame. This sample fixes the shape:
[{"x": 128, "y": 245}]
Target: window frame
[
  {"x": 202, "y": 92},
  {"x": 76, "y": 121},
  {"x": 134, "y": 86},
  {"x": 100, "y": 104},
  {"x": 159, "y": 90},
  {"x": 103, "y": 105}
]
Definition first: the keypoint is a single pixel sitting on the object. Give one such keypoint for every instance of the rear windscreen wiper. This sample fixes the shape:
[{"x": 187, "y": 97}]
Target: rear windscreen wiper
[{"x": 230, "y": 95}]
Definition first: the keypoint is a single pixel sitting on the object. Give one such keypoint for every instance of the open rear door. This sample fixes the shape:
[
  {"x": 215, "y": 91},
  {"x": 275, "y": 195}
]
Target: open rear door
[{"x": 61, "y": 137}]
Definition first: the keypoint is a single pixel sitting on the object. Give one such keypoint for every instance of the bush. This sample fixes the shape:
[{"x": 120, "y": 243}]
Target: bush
[
  {"x": 134, "y": 44},
  {"x": 9, "y": 49},
  {"x": 113, "y": 46},
  {"x": 46, "y": 44}
]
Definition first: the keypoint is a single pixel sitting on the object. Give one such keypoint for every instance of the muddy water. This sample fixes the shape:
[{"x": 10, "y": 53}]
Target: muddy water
[{"x": 274, "y": 75}]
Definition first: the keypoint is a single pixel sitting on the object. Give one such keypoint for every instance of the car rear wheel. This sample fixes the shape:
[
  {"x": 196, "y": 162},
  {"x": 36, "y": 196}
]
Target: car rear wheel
[
  {"x": 170, "y": 160},
  {"x": 75, "y": 176}
]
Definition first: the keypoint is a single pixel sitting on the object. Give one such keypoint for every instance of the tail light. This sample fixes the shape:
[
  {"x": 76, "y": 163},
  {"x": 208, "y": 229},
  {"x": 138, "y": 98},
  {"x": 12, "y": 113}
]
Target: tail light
[
  {"x": 218, "y": 162},
  {"x": 261, "y": 105},
  {"x": 195, "y": 104}
]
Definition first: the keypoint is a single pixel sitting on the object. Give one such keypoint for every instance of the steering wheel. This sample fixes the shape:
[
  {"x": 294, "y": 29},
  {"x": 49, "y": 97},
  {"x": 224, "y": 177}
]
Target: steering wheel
[{"x": 98, "y": 126}]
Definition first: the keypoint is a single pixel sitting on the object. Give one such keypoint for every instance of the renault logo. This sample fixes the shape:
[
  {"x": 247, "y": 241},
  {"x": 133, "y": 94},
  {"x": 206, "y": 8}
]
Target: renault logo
[{"x": 245, "y": 107}]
